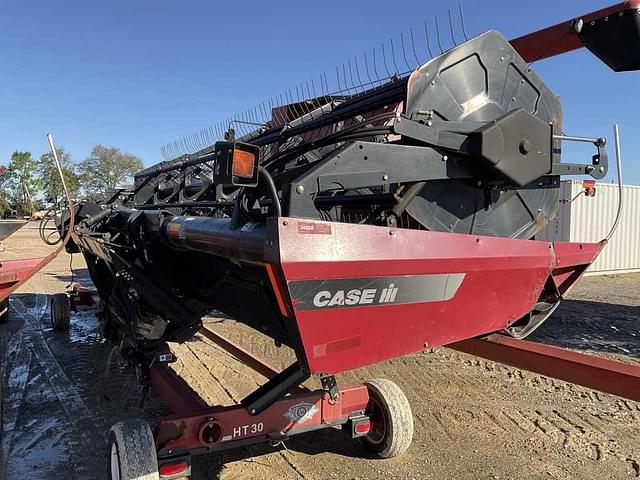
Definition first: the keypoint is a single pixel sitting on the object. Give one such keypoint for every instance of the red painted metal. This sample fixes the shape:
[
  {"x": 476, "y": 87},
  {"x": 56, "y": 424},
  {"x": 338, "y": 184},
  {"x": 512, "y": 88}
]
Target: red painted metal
[
  {"x": 560, "y": 38},
  {"x": 14, "y": 273},
  {"x": 503, "y": 279},
  {"x": 296, "y": 413},
  {"x": 598, "y": 373}
]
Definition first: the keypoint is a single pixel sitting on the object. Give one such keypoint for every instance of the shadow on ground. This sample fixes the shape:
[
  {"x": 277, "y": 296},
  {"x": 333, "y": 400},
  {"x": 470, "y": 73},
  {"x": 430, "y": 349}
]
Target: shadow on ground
[{"x": 593, "y": 326}]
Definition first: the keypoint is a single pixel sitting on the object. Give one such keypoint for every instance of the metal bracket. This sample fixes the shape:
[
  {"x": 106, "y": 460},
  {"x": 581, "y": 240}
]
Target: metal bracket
[
  {"x": 599, "y": 163},
  {"x": 330, "y": 385}
]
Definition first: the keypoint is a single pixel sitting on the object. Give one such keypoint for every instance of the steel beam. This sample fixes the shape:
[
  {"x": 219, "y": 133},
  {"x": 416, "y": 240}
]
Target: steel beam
[{"x": 609, "y": 376}]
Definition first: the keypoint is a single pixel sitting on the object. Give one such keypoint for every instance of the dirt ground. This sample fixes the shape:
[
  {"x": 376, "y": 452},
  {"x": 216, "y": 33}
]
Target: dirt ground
[{"x": 474, "y": 419}]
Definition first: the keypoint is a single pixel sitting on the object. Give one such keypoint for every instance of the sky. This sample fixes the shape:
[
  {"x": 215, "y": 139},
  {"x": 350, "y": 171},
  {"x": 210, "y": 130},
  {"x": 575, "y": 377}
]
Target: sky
[{"x": 138, "y": 74}]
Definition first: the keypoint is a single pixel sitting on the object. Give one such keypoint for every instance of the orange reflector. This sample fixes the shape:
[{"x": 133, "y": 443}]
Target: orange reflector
[
  {"x": 277, "y": 290},
  {"x": 243, "y": 163},
  {"x": 169, "y": 469}
]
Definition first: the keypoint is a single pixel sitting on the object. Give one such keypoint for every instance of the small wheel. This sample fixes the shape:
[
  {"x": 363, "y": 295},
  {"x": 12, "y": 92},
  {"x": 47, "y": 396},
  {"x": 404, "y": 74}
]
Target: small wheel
[
  {"x": 132, "y": 451},
  {"x": 60, "y": 311},
  {"x": 391, "y": 419},
  {"x": 4, "y": 311}
]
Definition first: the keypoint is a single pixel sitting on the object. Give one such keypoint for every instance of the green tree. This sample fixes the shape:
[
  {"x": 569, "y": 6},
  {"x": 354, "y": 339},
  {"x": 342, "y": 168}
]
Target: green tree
[
  {"x": 50, "y": 178},
  {"x": 22, "y": 181},
  {"x": 106, "y": 168},
  {"x": 5, "y": 197}
]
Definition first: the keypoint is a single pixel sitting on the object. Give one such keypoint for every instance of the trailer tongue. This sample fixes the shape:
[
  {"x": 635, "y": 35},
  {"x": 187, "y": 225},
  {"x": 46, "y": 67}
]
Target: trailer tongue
[{"x": 354, "y": 228}]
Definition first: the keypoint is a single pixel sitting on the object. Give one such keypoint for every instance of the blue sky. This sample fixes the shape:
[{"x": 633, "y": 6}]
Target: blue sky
[{"x": 138, "y": 74}]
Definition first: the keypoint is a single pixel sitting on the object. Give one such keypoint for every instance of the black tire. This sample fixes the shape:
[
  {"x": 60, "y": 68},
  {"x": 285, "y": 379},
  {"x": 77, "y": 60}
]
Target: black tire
[
  {"x": 391, "y": 419},
  {"x": 4, "y": 311},
  {"x": 132, "y": 452},
  {"x": 60, "y": 311}
]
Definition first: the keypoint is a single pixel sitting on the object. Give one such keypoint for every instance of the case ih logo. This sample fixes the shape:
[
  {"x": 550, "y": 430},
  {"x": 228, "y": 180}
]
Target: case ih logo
[
  {"x": 367, "y": 296},
  {"x": 372, "y": 291},
  {"x": 301, "y": 412}
]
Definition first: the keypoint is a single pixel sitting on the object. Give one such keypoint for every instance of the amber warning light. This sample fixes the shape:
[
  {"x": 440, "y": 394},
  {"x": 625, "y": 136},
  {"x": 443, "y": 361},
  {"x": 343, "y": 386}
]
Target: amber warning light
[
  {"x": 236, "y": 163},
  {"x": 243, "y": 163}
]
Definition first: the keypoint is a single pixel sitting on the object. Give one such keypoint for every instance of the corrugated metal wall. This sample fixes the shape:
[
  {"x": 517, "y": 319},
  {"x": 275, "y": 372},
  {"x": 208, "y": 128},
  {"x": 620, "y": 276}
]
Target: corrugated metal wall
[{"x": 589, "y": 219}]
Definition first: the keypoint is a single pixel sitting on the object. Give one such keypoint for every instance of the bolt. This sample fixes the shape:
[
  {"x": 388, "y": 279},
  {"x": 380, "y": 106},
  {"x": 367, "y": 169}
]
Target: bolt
[
  {"x": 445, "y": 158},
  {"x": 601, "y": 169},
  {"x": 429, "y": 123},
  {"x": 433, "y": 82},
  {"x": 391, "y": 232},
  {"x": 300, "y": 189},
  {"x": 385, "y": 177},
  {"x": 502, "y": 59}
]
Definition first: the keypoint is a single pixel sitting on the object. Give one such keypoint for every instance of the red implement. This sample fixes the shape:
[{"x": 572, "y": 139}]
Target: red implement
[{"x": 356, "y": 305}]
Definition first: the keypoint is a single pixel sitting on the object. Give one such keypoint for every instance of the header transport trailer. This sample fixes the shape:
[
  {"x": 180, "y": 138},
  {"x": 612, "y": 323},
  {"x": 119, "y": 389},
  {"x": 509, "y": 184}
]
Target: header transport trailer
[{"x": 393, "y": 215}]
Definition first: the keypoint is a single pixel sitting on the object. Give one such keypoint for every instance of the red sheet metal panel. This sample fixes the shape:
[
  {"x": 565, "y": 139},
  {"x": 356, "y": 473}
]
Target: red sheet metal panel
[
  {"x": 560, "y": 38},
  {"x": 14, "y": 273},
  {"x": 364, "y": 294},
  {"x": 602, "y": 374}
]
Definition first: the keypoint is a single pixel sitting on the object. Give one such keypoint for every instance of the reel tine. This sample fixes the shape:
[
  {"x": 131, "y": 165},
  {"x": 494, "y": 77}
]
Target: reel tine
[
  {"x": 351, "y": 77},
  {"x": 426, "y": 36},
  {"x": 384, "y": 57},
  {"x": 438, "y": 36},
  {"x": 265, "y": 120},
  {"x": 301, "y": 99},
  {"x": 283, "y": 110},
  {"x": 413, "y": 47},
  {"x": 272, "y": 111},
  {"x": 355, "y": 59},
  {"x": 289, "y": 103},
  {"x": 393, "y": 57},
  {"x": 296, "y": 103},
  {"x": 366, "y": 67},
  {"x": 338, "y": 78},
  {"x": 344, "y": 80},
  {"x": 453, "y": 38},
  {"x": 404, "y": 53},
  {"x": 464, "y": 31},
  {"x": 307, "y": 97},
  {"x": 375, "y": 68}
]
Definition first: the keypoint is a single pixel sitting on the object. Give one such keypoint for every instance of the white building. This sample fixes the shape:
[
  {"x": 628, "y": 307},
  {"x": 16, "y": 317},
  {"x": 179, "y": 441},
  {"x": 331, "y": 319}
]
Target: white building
[{"x": 589, "y": 219}]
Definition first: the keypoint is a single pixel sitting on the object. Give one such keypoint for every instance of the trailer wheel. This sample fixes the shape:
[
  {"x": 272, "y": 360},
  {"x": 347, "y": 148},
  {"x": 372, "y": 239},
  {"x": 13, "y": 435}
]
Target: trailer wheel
[
  {"x": 391, "y": 419},
  {"x": 60, "y": 311},
  {"x": 4, "y": 311},
  {"x": 132, "y": 451}
]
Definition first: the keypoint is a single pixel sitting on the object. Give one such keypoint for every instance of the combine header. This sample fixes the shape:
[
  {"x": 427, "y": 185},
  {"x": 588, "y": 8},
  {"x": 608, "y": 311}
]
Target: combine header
[{"x": 393, "y": 216}]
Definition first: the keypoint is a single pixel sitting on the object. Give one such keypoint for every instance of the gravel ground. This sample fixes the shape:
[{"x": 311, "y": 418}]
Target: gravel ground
[{"x": 474, "y": 419}]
